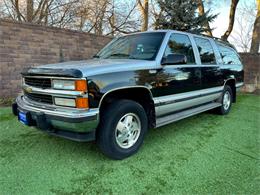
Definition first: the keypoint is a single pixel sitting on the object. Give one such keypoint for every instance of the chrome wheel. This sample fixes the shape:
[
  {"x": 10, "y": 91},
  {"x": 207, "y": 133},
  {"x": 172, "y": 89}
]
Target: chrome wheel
[
  {"x": 226, "y": 100},
  {"x": 128, "y": 130}
]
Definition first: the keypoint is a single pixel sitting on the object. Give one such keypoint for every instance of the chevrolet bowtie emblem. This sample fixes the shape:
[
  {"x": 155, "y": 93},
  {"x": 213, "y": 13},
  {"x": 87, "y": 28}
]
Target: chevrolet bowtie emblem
[{"x": 28, "y": 89}]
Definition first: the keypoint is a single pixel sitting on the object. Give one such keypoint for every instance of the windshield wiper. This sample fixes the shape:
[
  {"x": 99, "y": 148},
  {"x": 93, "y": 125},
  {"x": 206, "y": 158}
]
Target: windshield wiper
[
  {"x": 96, "y": 56},
  {"x": 119, "y": 54}
]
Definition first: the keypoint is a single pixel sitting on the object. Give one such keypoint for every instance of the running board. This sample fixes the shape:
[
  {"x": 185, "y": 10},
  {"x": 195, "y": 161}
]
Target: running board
[{"x": 184, "y": 114}]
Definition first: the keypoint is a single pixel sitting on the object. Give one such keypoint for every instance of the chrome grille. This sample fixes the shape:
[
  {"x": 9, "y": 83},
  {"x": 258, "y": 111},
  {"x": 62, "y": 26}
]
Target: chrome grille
[
  {"x": 44, "y": 83},
  {"x": 39, "y": 97}
]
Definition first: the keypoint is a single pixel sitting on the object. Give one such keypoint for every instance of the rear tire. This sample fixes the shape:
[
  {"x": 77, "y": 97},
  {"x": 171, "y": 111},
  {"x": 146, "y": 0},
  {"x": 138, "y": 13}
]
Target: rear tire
[
  {"x": 122, "y": 128},
  {"x": 226, "y": 101}
]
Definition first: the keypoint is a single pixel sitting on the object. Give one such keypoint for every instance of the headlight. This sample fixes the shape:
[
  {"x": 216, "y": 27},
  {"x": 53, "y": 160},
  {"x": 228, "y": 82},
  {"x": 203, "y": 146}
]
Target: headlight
[
  {"x": 63, "y": 84},
  {"x": 78, "y": 85}
]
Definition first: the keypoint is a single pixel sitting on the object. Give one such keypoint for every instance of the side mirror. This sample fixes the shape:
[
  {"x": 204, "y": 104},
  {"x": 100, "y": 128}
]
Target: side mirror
[{"x": 175, "y": 58}]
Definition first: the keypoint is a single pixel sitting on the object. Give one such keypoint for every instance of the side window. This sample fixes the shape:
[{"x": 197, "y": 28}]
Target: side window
[
  {"x": 229, "y": 56},
  {"x": 180, "y": 44},
  {"x": 205, "y": 50}
]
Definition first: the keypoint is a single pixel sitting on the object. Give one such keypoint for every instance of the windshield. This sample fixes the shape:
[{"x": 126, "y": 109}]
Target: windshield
[{"x": 143, "y": 46}]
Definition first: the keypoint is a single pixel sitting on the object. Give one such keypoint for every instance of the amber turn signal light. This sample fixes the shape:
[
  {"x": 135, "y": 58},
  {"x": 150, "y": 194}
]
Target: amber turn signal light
[
  {"x": 82, "y": 103},
  {"x": 81, "y": 85}
]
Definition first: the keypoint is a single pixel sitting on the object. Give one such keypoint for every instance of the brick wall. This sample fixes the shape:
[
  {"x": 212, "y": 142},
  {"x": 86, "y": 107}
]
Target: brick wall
[
  {"x": 24, "y": 45},
  {"x": 251, "y": 71}
]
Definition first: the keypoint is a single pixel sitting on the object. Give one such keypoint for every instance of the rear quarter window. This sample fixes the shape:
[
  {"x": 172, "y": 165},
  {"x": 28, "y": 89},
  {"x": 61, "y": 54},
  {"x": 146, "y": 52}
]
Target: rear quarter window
[
  {"x": 206, "y": 51},
  {"x": 228, "y": 55}
]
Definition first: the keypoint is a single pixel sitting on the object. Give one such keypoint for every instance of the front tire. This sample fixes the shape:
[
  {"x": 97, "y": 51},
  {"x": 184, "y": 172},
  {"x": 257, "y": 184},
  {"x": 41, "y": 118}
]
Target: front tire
[
  {"x": 122, "y": 128},
  {"x": 226, "y": 101}
]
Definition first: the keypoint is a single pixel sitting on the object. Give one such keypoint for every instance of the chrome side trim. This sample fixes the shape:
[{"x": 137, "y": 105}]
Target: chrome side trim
[
  {"x": 184, "y": 114},
  {"x": 56, "y": 111},
  {"x": 172, "y": 103},
  {"x": 181, "y": 96},
  {"x": 239, "y": 84},
  {"x": 126, "y": 87},
  {"x": 185, "y": 104}
]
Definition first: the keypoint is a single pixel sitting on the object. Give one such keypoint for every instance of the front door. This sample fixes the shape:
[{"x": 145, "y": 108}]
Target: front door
[{"x": 176, "y": 83}]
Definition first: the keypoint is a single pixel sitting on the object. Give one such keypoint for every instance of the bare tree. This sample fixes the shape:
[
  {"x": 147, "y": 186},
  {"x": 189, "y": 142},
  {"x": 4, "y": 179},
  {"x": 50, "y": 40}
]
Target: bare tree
[
  {"x": 241, "y": 35},
  {"x": 123, "y": 22},
  {"x": 98, "y": 17},
  {"x": 231, "y": 19},
  {"x": 38, "y": 11},
  {"x": 202, "y": 12},
  {"x": 256, "y": 32},
  {"x": 104, "y": 17},
  {"x": 29, "y": 10},
  {"x": 144, "y": 9},
  {"x": 95, "y": 16},
  {"x": 15, "y": 7}
]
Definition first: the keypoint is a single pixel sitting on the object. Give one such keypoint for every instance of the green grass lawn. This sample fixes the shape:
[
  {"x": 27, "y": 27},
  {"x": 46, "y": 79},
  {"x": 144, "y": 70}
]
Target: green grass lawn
[{"x": 203, "y": 154}]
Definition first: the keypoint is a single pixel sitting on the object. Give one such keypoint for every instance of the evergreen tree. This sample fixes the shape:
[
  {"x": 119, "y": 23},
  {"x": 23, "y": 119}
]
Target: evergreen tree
[{"x": 182, "y": 15}]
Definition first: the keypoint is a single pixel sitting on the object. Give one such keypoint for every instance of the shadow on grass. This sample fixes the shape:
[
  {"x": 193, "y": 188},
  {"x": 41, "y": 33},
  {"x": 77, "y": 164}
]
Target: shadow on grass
[
  {"x": 170, "y": 158},
  {"x": 174, "y": 133}
]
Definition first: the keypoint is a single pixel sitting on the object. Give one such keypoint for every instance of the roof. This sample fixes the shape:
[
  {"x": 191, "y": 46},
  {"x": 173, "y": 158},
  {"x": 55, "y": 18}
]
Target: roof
[{"x": 217, "y": 39}]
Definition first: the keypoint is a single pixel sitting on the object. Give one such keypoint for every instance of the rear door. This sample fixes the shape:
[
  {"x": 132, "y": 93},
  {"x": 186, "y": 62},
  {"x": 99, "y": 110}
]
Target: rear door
[{"x": 211, "y": 75}]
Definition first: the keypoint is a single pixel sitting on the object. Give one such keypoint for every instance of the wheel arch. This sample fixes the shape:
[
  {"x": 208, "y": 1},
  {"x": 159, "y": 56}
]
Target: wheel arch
[
  {"x": 232, "y": 83},
  {"x": 140, "y": 94}
]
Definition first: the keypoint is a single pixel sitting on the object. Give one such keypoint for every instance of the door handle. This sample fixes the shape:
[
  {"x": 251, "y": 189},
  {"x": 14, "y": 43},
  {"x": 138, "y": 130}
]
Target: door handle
[
  {"x": 152, "y": 71},
  {"x": 198, "y": 73}
]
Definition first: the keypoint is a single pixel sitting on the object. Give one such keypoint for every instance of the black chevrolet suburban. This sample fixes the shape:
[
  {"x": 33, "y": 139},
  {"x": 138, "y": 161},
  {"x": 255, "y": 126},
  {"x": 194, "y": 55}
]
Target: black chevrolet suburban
[{"x": 135, "y": 83}]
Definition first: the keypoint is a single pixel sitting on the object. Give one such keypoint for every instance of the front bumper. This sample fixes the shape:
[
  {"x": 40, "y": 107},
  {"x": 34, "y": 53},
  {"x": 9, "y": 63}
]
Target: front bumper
[
  {"x": 239, "y": 86},
  {"x": 78, "y": 125}
]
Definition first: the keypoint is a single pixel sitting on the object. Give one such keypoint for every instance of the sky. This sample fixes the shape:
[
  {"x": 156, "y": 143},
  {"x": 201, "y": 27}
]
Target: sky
[
  {"x": 221, "y": 22},
  {"x": 242, "y": 30}
]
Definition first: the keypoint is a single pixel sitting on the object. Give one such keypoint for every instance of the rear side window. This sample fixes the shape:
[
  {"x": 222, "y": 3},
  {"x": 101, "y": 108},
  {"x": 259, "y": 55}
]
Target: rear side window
[
  {"x": 229, "y": 56},
  {"x": 205, "y": 50},
  {"x": 180, "y": 44}
]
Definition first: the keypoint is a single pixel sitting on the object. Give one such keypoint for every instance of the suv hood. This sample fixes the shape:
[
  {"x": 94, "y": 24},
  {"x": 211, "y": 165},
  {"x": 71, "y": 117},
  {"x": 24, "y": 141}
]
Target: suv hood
[{"x": 97, "y": 66}]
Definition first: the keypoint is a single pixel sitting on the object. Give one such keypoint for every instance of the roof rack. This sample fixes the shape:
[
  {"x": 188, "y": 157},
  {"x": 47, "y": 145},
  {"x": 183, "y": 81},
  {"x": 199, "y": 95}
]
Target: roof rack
[{"x": 216, "y": 39}]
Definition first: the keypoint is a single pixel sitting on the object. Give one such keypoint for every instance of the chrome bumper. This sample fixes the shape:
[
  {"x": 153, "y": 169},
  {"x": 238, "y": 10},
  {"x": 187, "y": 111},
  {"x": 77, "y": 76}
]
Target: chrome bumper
[
  {"x": 239, "y": 86},
  {"x": 59, "y": 120}
]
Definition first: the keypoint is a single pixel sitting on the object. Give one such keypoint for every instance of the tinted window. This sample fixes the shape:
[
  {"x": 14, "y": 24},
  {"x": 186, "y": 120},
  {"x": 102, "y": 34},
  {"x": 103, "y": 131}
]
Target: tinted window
[
  {"x": 205, "y": 50},
  {"x": 138, "y": 46},
  {"x": 229, "y": 56},
  {"x": 180, "y": 44}
]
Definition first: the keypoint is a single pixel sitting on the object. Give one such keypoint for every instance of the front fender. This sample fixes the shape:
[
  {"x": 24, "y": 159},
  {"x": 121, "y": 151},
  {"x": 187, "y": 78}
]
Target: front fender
[{"x": 100, "y": 85}]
